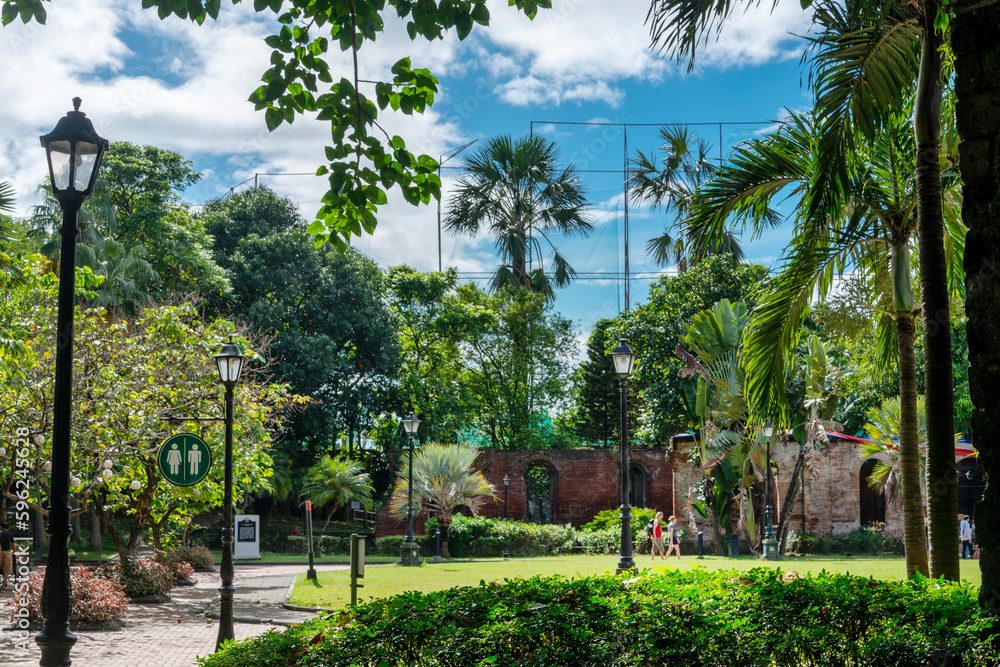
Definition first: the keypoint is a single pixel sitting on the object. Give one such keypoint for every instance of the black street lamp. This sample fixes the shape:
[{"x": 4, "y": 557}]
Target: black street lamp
[
  {"x": 624, "y": 360},
  {"x": 770, "y": 543},
  {"x": 230, "y": 362},
  {"x": 506, "y": 483},
  {"x": 74, "y": 151},
  {"x": 409, "y": 552}
]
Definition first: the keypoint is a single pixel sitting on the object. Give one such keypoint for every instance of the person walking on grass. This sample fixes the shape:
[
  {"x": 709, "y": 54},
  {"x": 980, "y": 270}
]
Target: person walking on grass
[
  {"x": 965, "y": 535},
  {"x": 6, "y": 553},
  {"x": 657, "y": 538},
  {"x": 673, "y": 539}
]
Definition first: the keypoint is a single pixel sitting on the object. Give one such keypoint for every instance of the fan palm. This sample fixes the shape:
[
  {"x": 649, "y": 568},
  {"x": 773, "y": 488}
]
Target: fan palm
[
  {"x": 443, "y": 480},
  {"x": 883, "y": 429},
  {"x": 871, "y": 57},
  {"x": 670, "y": 183},
  {"x": 868, "y": 232},
  {"x": 515, "y": 191},
  {"x": 333, "y": 483}
]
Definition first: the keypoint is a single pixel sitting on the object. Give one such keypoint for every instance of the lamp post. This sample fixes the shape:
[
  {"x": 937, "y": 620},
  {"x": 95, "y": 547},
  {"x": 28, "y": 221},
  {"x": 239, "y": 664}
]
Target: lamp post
[
  {"x": 74, "y": 151},
  {"x": 770, "y": 543},
  {"x": 506, "y": 483},
  {"x": 445, "y": 158},
  {"x": 409, "y": 552},
  {"x": 230, "y": 363},
  {"x": 624, "y": 360}
]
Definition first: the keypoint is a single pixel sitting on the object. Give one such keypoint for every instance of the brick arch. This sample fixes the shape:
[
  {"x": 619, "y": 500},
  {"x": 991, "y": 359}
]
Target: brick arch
[
  {"x": 540, "y": 502},
  {"x": 871, "y": 504}
]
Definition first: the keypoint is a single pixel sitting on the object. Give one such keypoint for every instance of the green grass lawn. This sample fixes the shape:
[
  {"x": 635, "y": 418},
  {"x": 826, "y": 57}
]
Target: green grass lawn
[
  {"x": 270, "y": 557},
  {"x": 332, "y": 589}
]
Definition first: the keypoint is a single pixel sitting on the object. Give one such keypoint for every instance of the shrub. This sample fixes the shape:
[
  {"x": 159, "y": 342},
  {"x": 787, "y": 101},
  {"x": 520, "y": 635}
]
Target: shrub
[
  {"x": 612, "y": 519},
  {"x": 867, "y": 540},
  {"x": 95, "y": 600},
  {"x": 386, "y": 546},
  {"x": 479, "y": 536},
  {"x": 605, "y": 541},
  {"x": 198, "y": 556},
  {"x": 139, "y": 577},
  {"x": 672, "y": 617}
]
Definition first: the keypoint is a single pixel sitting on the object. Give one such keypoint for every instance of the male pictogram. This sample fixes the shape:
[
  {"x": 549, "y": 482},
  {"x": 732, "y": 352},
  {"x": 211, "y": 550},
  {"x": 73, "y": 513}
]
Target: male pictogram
[
  {"x": 194, "y": 459},
  {"x": 174, "y": 459}
]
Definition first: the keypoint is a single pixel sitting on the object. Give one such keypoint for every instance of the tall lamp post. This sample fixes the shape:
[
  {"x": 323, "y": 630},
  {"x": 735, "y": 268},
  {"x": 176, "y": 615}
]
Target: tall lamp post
[
  {"x": 624, "y": 360},
  {"x": 230, "y": 363},
  {"x": 409, "y": 552},
  {"x": 74, "y": 151},
  {"x": 506, "y": 483},
  {"x": 770, "y": 543}
]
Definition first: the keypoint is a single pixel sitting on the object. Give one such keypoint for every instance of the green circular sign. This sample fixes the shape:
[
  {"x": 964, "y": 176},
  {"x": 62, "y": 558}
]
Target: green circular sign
[{"x": 184, "y": 459}]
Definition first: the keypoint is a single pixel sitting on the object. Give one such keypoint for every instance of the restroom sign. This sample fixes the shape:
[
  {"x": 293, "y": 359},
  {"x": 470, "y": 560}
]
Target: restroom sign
[{"x": 184, "y": 459}]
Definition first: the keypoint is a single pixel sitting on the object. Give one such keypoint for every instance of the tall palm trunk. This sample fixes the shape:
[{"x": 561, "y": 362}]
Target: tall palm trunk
[
  {"x": 977, "y": 86},
  {"x": 909, "y": 452},
  {"x": 942, "y": 474}
]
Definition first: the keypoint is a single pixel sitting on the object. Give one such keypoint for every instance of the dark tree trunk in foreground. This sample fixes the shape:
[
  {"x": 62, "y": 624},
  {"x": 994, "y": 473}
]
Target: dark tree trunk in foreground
[{"x": 977, "y": 86}]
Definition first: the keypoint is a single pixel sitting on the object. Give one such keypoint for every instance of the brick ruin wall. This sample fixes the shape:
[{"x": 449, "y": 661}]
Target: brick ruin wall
[{"x": 586, "y": 481}]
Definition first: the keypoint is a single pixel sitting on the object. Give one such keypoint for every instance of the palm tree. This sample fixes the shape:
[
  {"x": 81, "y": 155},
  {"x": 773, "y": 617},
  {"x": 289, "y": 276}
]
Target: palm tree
[
  {"x": 876, "y": 54},
  {"x": 671, "y": 183},
  {"x": 869, "y": 231},
  {"x": 334, "y": 483},
  {"x": 883, "y": 430},
  {"x": 443, "y": 480},
  {"x": 516, "y": 192}
]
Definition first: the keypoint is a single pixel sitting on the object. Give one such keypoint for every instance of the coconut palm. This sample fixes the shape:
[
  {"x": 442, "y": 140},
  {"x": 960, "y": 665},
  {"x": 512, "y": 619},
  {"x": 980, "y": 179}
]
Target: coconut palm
[
  {"x": 670, "y": 183},
  {"x": 515, "y": 191},
  {"x": 443, "y": 480},
  {"x": 334, "y": 483},
  {"x": 868, "y": 231},
  {"x": 871, "y": 58}
]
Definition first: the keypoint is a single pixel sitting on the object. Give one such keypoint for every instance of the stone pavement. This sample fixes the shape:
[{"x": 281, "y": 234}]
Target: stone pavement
[{"x": 173, "y": 634}]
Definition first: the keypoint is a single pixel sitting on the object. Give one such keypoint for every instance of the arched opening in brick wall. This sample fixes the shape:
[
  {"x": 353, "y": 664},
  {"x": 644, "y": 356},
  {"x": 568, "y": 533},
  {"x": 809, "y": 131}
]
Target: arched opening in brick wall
[
  {"x": 540, "y": 483},
  {"x": 872, "y": 501},
  {"x": 971, "y": 484},
  {"x": 638, "y": 484}
]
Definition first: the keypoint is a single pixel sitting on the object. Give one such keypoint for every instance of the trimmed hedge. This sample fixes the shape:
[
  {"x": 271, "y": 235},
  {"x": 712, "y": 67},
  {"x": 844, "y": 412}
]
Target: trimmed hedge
[
  {"x": 482, "y": 537},
  {"x": 863, "y": 541},
  {"x": 667, "y": 617}
]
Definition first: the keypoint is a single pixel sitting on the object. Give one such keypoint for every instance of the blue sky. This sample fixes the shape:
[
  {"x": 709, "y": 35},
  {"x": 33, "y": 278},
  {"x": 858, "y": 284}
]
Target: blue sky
[{"x": 184, "y": 87}]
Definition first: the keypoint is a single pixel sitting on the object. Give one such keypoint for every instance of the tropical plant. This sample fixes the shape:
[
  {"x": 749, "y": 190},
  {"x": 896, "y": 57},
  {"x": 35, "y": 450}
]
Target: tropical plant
[
  {"x": 883, "y": 429},
  {"x": 868, "y": 232},
  {"x": 334, "y": 483},
  {"x": 670, "y": 183},
  {"x": 443, "y": 480},
  {"x": 516, "y": 191},
  {"x": 872, "y": 62}
]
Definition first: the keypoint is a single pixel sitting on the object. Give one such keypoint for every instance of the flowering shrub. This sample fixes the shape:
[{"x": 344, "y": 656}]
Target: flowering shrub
[
  {"x": 139, "y": 577},
  {"x": 95, "y": 600}
]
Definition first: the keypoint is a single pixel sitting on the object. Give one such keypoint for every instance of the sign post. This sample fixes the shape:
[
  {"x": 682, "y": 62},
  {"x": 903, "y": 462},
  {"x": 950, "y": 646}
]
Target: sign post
[
  {"x": 184, "y": 459},
  {"x": 311, "y": 573},
  {"x": 357, "y": 565},
  {"x": 247, "y": 546}
]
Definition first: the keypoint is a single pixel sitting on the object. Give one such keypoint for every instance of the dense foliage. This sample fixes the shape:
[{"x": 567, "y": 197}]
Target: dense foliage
[
  {"x": 96, "y": 600},
  {"x": 761, "y": 618},
  {"x": 479, "y": 536}
]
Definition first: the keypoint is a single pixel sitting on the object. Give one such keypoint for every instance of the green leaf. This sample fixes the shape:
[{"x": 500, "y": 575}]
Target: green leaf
[{"x": 273, "y": 118}]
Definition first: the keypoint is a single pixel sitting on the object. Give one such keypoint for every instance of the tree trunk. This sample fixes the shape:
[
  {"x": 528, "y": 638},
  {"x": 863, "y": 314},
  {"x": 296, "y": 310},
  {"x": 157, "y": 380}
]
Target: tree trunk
[
  {"x": 786, "y": 507},
  {"x": 909, "y": 454},
  {"x": 445, "y": 532},
  {"x": 96, "y": 543},
  {"x": 977, "y": 87},
  {"x": 942, "y": 474}
]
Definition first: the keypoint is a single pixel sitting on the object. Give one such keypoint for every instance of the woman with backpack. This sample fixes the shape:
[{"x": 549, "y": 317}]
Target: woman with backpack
[{"x": 657, "y": 531}]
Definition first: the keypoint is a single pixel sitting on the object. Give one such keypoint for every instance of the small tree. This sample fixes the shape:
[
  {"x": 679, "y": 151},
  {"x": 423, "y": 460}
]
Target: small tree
[
  {"x": 443, "y": 480},
  {"x": 334, "y": 483}
]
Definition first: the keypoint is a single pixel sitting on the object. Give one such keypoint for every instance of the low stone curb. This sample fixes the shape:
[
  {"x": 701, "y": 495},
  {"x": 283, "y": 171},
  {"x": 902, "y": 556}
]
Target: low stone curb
[{"x": 149, "y": 599}]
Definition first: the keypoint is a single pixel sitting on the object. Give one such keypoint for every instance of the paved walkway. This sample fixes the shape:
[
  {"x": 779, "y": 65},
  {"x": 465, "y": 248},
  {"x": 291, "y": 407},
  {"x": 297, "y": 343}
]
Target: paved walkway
[{"x": 173, "y": 634}]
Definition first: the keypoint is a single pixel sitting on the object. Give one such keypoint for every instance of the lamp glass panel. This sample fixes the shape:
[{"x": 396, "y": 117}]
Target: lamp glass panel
[
  {"x": 59, "y": 158},
  {"x": 411, "y": 423},
  {"x": 623, "y": 363},
  {"x": 85, "y": 160},
  {"x": 235, "y": 368}
]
